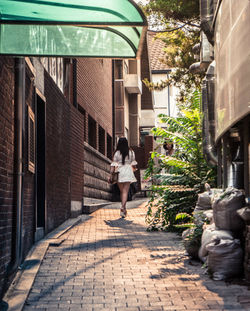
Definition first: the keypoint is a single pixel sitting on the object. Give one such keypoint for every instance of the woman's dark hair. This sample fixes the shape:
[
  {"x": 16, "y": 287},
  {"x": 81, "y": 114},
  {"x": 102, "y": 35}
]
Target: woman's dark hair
[{"x": 123, "y": 147}]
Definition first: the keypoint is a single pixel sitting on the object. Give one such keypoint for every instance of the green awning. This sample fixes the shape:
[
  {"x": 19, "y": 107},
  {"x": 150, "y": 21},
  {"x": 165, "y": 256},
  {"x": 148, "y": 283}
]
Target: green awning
[{"x": 100, "y": 28}]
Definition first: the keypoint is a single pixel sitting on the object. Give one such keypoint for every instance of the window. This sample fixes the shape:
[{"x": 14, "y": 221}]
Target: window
[
  {"x": 109, "y": 147},
  {"x": 92, "y": 132},
  {"x": 55, "y": 67},
  {"x": 102, "y": 142},
  {"x": 31, "y": 140}
]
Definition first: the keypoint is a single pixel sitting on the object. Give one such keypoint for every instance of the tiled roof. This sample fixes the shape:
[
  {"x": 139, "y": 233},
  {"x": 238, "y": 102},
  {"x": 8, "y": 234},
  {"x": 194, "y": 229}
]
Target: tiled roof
[{"x": 156, "y": 53}]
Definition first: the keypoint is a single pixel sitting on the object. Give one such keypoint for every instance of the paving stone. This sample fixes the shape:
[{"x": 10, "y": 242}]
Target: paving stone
[{"x": 111, "y": 264}]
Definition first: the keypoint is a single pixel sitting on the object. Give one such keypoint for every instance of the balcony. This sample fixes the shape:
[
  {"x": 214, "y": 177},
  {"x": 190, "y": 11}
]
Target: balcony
[{"x": 133, "y": 84}]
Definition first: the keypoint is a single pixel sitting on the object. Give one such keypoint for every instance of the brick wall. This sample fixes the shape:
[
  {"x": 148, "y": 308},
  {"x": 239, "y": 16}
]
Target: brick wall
[
  {"x": 149, "y": 146},
  {"x": 94, "y": 95},
  {"x": 142, "y": 155},
  {"x": 76, "y": 159},
  {"x": 6, "y": 162},
  {"x": 28, "y": 177},
  {"x": 146, "y": 99},
  {"x": 96, "y": 174},
  {"x": 94, "y": 84},
  {"x": 57, "y": 155}
]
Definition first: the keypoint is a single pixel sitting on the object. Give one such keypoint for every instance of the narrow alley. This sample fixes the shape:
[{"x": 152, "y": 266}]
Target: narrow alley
[{"x": 109, "y": 263}]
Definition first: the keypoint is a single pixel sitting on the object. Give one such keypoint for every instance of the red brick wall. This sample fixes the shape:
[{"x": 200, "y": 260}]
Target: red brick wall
[
  {"x": 96, "y": 174},
  {"x": 6, "y": 162},
  {"x": 57, "y": 155},
  {"x": 146, "y": 98},
  {"x": 94, "y": 95},
  {"x": 94, "y": 83},
  {"x": 77, "y": 154},
  {"x": 142, "y": 155},
  {"x": 28, "y": 177}
]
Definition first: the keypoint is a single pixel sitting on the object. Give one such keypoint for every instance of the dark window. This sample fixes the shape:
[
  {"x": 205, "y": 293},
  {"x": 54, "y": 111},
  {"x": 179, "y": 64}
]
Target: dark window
[
  {"x": 101, "y": 140},
  {"x": 82, "y": 111},
  {"x": 109, "y": 147},
  {"x": 92, "y": 132}
]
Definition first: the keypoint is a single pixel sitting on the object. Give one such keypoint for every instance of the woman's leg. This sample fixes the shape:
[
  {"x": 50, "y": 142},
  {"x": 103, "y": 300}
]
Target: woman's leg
[{"x": 124, "y": 188}]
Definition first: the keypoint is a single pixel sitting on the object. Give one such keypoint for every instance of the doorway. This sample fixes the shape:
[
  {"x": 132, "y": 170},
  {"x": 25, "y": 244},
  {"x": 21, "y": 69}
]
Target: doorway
[{"x": 40, "y": 168}]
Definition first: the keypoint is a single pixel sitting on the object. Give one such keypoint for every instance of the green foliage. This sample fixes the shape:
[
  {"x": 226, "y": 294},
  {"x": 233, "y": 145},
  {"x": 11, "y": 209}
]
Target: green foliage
[
  {"x": 171, "y": 202},
  {"x": 185, "y": 132},
  {"x": 185, "y": 172},
  {"x": 183, "y": 217},
  {"x": 180, "y": 21},
  {"x": 175, "y": 10},
  {"x": 192, "y": 240}
]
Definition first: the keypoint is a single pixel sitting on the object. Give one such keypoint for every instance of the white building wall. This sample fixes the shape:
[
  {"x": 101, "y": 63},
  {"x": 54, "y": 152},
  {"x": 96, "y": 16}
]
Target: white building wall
[
  {"x": 164, "y": 100},
  {"x": 147, "y": 118}
]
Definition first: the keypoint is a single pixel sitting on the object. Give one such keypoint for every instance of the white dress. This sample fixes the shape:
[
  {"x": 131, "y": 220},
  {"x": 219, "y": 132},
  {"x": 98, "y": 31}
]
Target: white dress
[{"x": 125, "y": 170}]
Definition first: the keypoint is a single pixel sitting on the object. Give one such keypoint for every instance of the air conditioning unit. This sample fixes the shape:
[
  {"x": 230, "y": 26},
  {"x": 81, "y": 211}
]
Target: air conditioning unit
[{"x": 133, "y": 84}]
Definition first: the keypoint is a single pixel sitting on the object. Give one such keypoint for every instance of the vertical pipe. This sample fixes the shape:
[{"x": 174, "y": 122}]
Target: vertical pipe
[
  {"x": 75, "y": 82},
  {"x": 224, "y": 161},
  {"x": 113, "y": 103},
  {"x": 246, "y": 155},
  {"x": 219, "y": 166},
  {"x": 36, "y": 179},
  {"x": 168, "y": 97}
]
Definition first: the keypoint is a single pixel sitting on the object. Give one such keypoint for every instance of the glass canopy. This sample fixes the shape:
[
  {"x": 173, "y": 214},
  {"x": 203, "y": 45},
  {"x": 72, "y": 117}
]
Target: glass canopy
[{"x": 100, "y": 28}]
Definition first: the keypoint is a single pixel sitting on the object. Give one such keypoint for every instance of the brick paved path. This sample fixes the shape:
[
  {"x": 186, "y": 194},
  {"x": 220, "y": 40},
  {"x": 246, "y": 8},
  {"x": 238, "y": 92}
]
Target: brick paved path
[{"x": 109, "y": 263}]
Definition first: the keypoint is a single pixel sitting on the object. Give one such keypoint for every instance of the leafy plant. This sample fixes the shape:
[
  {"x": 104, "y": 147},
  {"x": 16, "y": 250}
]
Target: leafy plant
[
  {"x": 166, "y": 203},
  {"x": 185, "y": 172},
  {"x": 192, "y": 240}
]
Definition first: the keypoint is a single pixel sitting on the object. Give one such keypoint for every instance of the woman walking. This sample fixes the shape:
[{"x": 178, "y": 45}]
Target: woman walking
[{"x": 124, "y": 162}]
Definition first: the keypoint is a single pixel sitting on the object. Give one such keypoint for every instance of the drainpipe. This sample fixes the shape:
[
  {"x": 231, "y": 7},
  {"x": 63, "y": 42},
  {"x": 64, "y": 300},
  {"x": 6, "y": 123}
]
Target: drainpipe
[
  {"x": 169, "y": 114},
  {"x": 208, "y": 116},
  {"x": 207, "y": 14},
  {"x": 113, "y": 103},
  {"x": 19, "y": 120},
  {"x": 246, "y": 155},
  {"x": 75, "y": 104}
]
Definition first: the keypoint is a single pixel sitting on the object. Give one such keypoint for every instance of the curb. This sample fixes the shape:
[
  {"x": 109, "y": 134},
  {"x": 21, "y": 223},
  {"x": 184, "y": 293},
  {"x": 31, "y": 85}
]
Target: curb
[
  {"x": 91, "y": 208},
  {"x": 90, "y": 205}
]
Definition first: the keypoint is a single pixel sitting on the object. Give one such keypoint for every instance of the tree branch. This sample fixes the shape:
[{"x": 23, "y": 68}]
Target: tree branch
[{"x": 177, "y": 28}]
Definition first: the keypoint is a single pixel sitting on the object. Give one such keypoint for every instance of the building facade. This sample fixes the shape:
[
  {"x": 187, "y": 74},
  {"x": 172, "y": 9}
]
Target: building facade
[
  {"x": 58, "y": 114},
  {"x": 60, "y": 121},
  {"x": 164, "y": 101},
  {"x": 56, "y": 146},
  {"x": 224, "y": 53}
]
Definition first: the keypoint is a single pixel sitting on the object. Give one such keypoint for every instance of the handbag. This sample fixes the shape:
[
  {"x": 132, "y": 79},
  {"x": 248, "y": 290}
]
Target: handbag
[
  {"x": 134, "y": 168},
  {"x": 114, "y": 178}
]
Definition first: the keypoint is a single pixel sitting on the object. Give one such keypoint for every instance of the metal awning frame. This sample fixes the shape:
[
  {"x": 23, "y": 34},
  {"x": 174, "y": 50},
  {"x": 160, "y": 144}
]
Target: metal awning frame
[{"x": 138, "y": 28}]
